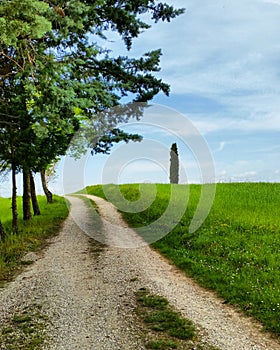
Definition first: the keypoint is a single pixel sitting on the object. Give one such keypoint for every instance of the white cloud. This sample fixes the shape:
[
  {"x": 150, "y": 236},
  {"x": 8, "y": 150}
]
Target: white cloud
[
  {"x": 221, "y": 146},
  {"x": 261, "y": 123},
  {"x": 275, "y": 2},
  {"x": 236, "y": 172},
  {"x": 228, "y": 51},
  {"x": 266, "y": 123},
  {"x": 246, "y": 174},
  {"x": 225, "y": 50},
  {"x": 215, "y": 124}
]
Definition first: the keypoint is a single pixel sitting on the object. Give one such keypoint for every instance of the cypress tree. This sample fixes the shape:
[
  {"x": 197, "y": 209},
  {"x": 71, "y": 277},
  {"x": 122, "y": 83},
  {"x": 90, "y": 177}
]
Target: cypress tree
[{"x": 174, "y": 164}]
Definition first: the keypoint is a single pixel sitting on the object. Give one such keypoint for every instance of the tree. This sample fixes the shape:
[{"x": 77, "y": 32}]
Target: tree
[
  {"x": 48, "y": 193},
  {"x": 174, "y": 164},
  {"x": 14, "y": 201},
  {"x": 58, "y": 78},
  {"x": 21, "y": 22},
  {"x": 9, "y": 143},
  {"x": 105, "y": 143},
  {"x": 26, "y": 197},
  {"x": 2, "y": 233},
  {"x": 35, "y": 204}
]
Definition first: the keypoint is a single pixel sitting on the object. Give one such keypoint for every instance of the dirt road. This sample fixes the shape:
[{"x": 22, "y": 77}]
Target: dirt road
[{"x": 87, "y": 289}]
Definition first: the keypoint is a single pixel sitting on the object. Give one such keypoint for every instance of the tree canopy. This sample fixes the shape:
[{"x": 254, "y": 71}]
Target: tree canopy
[{"x": 56, "y": 74}]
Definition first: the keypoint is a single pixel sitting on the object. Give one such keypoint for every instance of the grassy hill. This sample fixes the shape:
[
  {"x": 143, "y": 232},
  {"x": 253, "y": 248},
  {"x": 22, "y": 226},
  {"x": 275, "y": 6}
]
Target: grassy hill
[{"x": 236, "y": 250}]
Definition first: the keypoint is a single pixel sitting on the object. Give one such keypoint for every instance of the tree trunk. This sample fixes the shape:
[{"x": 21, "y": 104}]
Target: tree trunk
[
  {"x": 14, "y": 202},
  {"x": 26, "y": 196},
  {"x": 2, "y": 233},
  {"x": 48, "y": 193},
  {"x": 35, "y": 204}
]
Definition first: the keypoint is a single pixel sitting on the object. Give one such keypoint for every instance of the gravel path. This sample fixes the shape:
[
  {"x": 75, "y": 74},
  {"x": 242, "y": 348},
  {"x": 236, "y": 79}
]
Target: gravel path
[{"x": 87, "y": 289}]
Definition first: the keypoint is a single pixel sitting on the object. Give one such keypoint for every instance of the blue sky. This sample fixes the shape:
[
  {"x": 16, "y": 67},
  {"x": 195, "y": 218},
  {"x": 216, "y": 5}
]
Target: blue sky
[{"x": 222, "y": 60}]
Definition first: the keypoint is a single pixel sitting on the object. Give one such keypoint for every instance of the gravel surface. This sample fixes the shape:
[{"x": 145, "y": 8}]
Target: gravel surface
[{"x": 87, "y": 289}]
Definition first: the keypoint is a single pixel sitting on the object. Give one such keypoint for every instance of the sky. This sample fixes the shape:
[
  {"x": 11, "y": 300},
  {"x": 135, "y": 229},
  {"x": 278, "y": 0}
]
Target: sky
[{"x": 222, "y": 61}]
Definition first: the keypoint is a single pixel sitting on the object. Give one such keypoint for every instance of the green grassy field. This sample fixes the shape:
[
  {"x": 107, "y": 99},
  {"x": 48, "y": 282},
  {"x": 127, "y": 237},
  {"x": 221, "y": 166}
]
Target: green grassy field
[
  {"x": 32, "y": 234},
  {"x": 236, "y": 250}
]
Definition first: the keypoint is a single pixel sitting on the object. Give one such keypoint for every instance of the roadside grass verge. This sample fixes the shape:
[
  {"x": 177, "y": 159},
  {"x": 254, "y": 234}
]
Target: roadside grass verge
[
  {"x": 236, "y": 250},
  {"x": 32, "y": 235}
]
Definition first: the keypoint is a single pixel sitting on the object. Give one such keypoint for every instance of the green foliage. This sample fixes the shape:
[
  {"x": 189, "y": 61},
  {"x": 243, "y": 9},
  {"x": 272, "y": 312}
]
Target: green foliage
[
  {"x": 167, "y": 328},
  {"x": 105, "y": 143},
  {"x": 162, "y": 344},
  {"x": 22, "y": 20},
  {"x": 235, "y": 251},
  {"x": 160, "y": 317},
  {"x": 32, "y": 234},
  {"x": 152, "y": 301}
]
